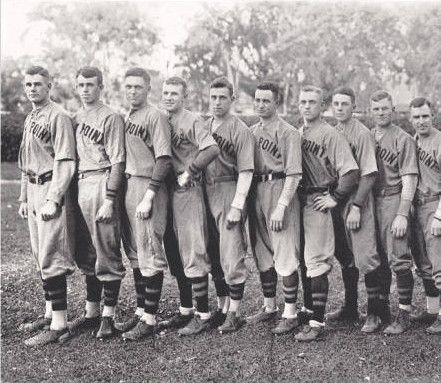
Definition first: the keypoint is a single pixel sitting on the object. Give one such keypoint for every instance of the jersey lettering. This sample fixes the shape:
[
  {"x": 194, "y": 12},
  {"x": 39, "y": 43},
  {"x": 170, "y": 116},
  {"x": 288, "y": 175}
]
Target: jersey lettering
[
  {"x": 426, "y": 158},
  {"x": 224, "y": 144},
  {"x": 386, "y": 156},
  {"x": 93, "y": 134},
  {"x": 136, "y": 130},
  {"x": 269, "y": 147},
  {"x": 313, "y": 148},
  {"x": 40, "y": 131}
]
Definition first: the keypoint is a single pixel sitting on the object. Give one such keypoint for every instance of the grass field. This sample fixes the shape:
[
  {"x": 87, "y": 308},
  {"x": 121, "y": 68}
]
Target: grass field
[{"x": 251, "y": 355}]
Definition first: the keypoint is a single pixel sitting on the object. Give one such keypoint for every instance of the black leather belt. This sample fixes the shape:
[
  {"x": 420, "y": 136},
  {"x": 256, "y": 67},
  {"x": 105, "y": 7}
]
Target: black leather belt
[
  {"x": 39, "y": 179},
  {"x": 387, "y": 191},
  {"x": 219, "y": 179},
  {"x": 128, "y": 175},
  {"x": 268, "y": 177},
  {"x": 88, "y": 173},
  {"x": 313, "y": 189},
  {"x": 418, "y": 201}
]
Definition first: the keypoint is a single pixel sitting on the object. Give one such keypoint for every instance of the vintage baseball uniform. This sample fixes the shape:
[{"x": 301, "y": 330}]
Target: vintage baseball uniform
[
  {"x": 100, "y": 144},
  {"x": 147, "y": 137},
  {"x": 236, "y": 143},
  {"x": 428, "y": 194},
  {"x": 396, "y": 156},
  {"x": 189, "y": 135},
  {"x": 362, "y": 242},
  {"x": 326, "y": 157},
  {"x": 277, "y": 151},
  {"x": 48, "y": 136}
]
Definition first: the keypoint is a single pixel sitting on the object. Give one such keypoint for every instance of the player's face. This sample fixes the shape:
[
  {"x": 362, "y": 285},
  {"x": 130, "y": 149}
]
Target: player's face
[
  {"x": 382, "y": 112},
  {"x": 136, "y": 90},
  {"x": 310, "y": 105},
  {"x": 173, "y": 97},
  {"x": 220, "y": 101},
  {"x": 88, "y": 89},
  {"x": 421, "y": 119},
  {"x": 265, "y": 105},
  {"x": 342, "y": 107},
  {"x": 37, "y": 88}
]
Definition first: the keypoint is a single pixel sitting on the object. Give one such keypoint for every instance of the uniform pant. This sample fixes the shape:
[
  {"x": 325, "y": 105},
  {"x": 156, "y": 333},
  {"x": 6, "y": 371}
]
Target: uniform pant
[
  {"x": 190, "y": 225},
  {"x": 52, "y": 242},
  {"x": 142, "y": 239},
  {"x": 98, "y": 244},
  {"x": 232, "y": 244},
  {"x": 280, "y": 250},
  {"x": 428, "y": 254}
]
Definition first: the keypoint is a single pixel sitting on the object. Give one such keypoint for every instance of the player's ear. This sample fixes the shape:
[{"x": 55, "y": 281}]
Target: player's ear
[{"x": 149, "y": 88}]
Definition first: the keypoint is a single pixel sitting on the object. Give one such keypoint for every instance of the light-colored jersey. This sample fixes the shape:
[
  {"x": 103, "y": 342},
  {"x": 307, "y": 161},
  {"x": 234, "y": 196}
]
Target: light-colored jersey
[
  {"x": 429, "y": 163},
  {"x": 189, "y": 135},
  {"x": 362, "y": 145},
  {"x": 396, "y": 157},
  {"x": 326, "y": 155},
  {"x": 277, "y": 148},
  {"x": 100, "y": 138},
  {"x": 236, "y": 144},
  {"x": 147, "y": 138},
  {"x": 48, "y": 136}
]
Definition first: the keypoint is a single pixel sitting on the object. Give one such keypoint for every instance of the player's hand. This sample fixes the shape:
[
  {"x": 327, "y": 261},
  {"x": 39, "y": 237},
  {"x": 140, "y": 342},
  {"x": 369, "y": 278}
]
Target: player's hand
[
  {"x": 183, "y": 179},
  {"x": 276, "y": 219},
  {"x": 435, "y": 227},
  {"x": 105, "y": 212},
  {"x": 23, "y": 210},
  {"x": 49, "y": 211},
  {"x": 353, "y": 219},
  {"x": 233, "y": 217},
  {"x": 399, "y": 226},
  {"x": 144, "y": 209},
  {"x": 324, "y": 202}
]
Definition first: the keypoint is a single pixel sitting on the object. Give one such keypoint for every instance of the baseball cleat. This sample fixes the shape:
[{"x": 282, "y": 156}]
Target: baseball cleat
[
  {"x": 176, "y": 321},
  {"x": 128, "y": 324},
  {"x": 231, "y": 324},
  {"x": 262, "y": 315},
  {"x": 107, "y": 328},
  {"x": 49, "y": 336},
  {"x": 41, "y": 323},
  {"x": 82, "y": 323},
  {"x": 195, "y": 326},
  {"x": 140, "y": 331},
  {"x": 372, "y": 324},
  {"x": 435, "y": 328},
  {"x": 218, "y": 318},
  {"x": 423, "y": 317},
  {"x": 400, "y": 324},
  {"x": 309, "y": 333},
  {"x": 285, "y": 325},
  {"x": 343, "y": 314}
]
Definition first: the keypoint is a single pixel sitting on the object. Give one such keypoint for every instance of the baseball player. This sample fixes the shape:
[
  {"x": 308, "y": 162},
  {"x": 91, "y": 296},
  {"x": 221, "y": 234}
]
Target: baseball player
[
  {"x": 354, "y": 221},
  {"x": 193, "y": 148},
  {"x": 148, "y": 151},
  {"x": 330, "y": 175},
  {"x": 227, "y": 182},
  {"x": 47, "y": 161},
  {"x": 394, "y": 190},
  {"x": 101, "y": 161},
  {"x": 275, "y": 208},
  {"x": 427, "y": 202}
]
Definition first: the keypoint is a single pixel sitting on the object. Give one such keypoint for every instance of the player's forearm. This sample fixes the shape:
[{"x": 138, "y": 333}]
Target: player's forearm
[
  {"x": 364, "y": 187},
  {"x": 437, "y": 214},
  {"x": 242, "y": 188},
  {"x": 346, "y": 184},
  {"x": 410, "y": 182},
  {"x": 289, "y": 189},
  {"x": 203, "y": 158},
  {"x": 115, "y": 180},
  {"x": 162, "y": 167},
  {"x": 62, "y": 174},
  {"x": 23, "y": 188}
]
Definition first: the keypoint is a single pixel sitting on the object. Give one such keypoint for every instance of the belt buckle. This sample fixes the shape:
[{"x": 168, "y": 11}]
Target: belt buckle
[
  {"x": 270, "y": 177},
  {"x": 39, "y": 180}
]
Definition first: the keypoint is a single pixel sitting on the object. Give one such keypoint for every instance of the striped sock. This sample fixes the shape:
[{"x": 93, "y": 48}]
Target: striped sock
[
  {"x": 268, "y": 280},
  {"x": 153, "y": 288},
  {"x": 404, "y": 287},
  {"x": 47, "y": 299},
  {"x": 185, "y": 292},
  {"x": 319, "y": 289},
  {"x": 430, "y": 288},
  {"x": 373, "y": 288},
  {"x": 57, "y": 290},
  {"x": 291, "y": 287},
  {"x": 140, "y": 285},
  {"x": 94, "y": 288},
  {"x": 200, "y": 291},
  {"x": 236, "y": 291},
  {"x": 111, "y": 292}
]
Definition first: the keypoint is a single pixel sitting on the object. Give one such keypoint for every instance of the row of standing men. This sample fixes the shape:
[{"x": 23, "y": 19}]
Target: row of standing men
[{"x": 197, "y": 196}]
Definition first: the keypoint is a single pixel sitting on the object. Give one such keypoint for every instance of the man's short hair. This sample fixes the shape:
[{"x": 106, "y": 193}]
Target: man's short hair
[
  {"x": 89, "y": 72},
  {"x": 222, "y": 82},
  {"x": 345, "y": 90},
  {"x": 273, "y": 87},
  {"x": 138, "y": 72},
  {"x": 381, "y": 95},
  {"x": 36, "y": 69},
  {"x": 314, "y": 89},
  {"x": 419, "y": 102},
  {"x": 176, "y": 80}
]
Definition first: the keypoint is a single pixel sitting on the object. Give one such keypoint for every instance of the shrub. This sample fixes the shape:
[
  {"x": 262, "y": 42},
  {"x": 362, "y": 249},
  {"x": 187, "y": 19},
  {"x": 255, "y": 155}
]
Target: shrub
[{"x": 12, "y": 130}]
